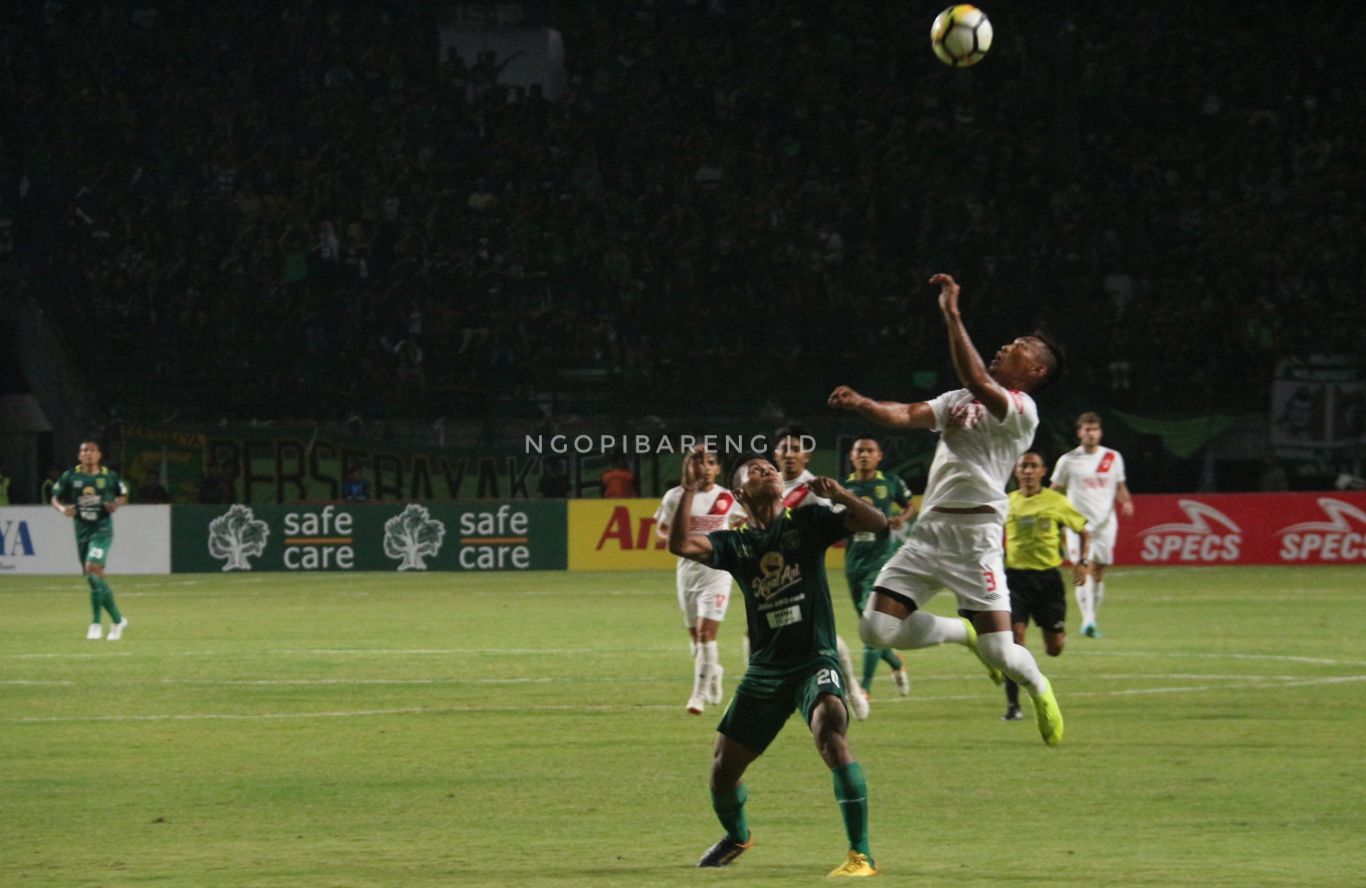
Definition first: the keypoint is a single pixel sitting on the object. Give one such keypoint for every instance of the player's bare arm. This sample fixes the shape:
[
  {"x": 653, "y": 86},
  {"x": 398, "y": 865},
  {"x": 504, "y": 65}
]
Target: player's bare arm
[
  {"x": 1126, "y": 502},
  {"x": 972, "y": 372},
  {"x": 113, "y": 505},
  {"x": 891, "y": 414},
  {"x": 684, "y": 544},
  {"x": 859, "y": 516},
  {"x": 68, "y": 511},
  {"x": 1083, "y": 565}
]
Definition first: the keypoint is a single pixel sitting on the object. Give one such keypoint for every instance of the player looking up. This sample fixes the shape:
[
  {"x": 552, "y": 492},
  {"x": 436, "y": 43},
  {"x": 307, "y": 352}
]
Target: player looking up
[
  {"x": 778, "y": 560},
  {"x": 1092, "y": 476},
  {"x": 865, "y": 552},
  {"x": 703, "y": 593},
  {"x": 792, "y": 447},
  {"x": 956, "y": 542},
  {"x": 91, "y": 493},
  {"x": 1033, "y": 553}
]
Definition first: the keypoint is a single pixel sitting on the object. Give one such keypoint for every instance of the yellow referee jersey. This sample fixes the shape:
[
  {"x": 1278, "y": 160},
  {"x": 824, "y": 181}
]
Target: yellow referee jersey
[{"x": 1033, "y": 534}]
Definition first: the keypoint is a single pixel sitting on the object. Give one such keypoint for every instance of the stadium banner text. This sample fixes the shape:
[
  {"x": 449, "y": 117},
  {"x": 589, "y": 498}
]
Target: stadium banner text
[
  {"x": 460, "y": 536},
  {"x": 39, "y": 540},
  {"x": 621, "y": 534},
  {"x": 1245, "y": 528}
]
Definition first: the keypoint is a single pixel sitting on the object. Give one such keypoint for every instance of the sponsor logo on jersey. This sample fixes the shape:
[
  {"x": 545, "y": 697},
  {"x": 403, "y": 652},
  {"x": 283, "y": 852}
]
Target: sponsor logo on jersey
[
  {"x": 1341, "y": 538},
  {"x": 966, "y": 416},
  {"x": 776, "y": 575},
  {"x": 1208, "y": 535}
]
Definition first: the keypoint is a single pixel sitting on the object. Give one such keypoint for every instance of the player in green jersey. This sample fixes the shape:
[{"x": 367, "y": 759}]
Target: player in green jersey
[
  {"x": 1033, "y": 552},
  {"x": 778, "y": 560},
  {"x": 866, "y": 552},
  {"x": 91, "y": 493}
]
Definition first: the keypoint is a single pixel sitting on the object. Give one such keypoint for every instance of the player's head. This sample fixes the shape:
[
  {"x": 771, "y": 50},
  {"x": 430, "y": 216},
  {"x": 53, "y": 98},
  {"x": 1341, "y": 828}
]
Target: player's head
[
  {"x": 89, "y": 455},
  {"x": 708, "y": 467},
  {"x": 1030, "y": 469},
  {"x": 792, "y": 446},
  {"x": 756, "y": 482},
  {"x": 866, "y": 454},
  {"x": 1027, "y": 363},
  {"x": 1089, "y": 430}
]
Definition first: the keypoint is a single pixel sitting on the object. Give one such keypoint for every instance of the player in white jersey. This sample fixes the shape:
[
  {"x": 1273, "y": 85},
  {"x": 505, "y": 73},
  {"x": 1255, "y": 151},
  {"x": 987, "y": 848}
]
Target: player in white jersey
[
  {"x": 983, "y": 428},
  {"x": 703, "y": 593},
  {"x": 1092, "y": 476},
  {"x": 792, "y": 446}
]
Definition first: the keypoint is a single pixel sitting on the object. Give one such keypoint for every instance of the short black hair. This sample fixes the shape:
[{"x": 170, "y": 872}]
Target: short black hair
[
  {"x": 792, "y": 430},
  {"x": 735, "y": 463},
  {"x": 866, "y": 436},
  {"x": 1056, "y": 352}
]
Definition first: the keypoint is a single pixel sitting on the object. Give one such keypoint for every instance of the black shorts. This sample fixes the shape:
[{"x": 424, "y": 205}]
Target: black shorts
[{"x": 1037, "y": 594}]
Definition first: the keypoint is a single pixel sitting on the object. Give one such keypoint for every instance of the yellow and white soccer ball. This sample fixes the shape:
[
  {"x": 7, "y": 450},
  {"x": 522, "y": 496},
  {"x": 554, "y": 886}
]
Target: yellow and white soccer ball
[{"x": 961, "y": 35}]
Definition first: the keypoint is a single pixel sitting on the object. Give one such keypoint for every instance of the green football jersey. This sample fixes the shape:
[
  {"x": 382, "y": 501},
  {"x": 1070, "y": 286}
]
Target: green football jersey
[
  {"x": 868, "y": 549},
  {"x": 89, "y": 493},
  {"x": 781, "y": 572}
]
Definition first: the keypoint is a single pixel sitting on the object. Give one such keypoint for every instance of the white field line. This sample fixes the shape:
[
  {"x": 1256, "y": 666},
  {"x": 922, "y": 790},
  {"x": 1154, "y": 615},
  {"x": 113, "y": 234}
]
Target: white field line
[
  {"x": 333, "y": 652},
  {"x": 579, "y": 707},
  {"x": 547, "y": 679},
  {"x": 388, "y": 652}
]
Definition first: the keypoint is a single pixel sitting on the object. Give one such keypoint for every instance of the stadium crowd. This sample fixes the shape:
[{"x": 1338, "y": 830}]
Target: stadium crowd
[{"x": 300, "y": 209}]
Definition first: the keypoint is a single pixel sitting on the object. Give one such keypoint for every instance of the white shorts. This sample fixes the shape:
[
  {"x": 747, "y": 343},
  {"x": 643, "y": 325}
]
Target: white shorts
[
  {"x": 961, "y": 553},
  {"x": 703, "y": 603},
  {"x": 1102, "y": 544}
]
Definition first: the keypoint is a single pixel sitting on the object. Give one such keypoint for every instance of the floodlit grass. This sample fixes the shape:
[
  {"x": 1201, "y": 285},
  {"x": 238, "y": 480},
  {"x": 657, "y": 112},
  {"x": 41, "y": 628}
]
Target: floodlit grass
[{"x": 528, "y": 729}]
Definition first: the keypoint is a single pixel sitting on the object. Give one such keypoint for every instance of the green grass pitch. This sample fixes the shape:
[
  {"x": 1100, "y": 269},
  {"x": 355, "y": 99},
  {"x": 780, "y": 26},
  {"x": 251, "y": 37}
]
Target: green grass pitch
[{"x": 529, "y": 729}]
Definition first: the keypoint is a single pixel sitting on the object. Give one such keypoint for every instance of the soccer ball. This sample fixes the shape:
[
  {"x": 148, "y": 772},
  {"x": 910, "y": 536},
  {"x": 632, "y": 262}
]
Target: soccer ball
[{"x": 961, "y": 35}]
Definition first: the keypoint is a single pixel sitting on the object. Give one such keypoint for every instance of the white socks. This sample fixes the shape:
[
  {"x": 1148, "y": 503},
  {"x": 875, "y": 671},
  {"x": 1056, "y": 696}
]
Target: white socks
[
  {"x": 1086, "y": 601},
  {"x": 917, "y": 630},
  {"x": 847, "y": 664},
  {"x": 705, "y": 666},
  {"x": 1097, "y": 598},
  {"x": 1000, "y": 650}
]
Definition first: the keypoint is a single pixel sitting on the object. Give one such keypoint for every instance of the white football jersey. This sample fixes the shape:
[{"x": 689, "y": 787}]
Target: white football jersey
[
  {"x": 1091, "y": 480},
  {"x": 977, "y": 451},
  {"x": 710, "y": 511},
  {"x": 797, "y": 492}
]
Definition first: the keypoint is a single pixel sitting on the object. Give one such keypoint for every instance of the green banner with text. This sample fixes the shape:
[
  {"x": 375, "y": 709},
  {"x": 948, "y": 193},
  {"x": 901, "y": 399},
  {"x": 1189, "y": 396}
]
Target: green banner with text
[{"x": 462, "y": 535}]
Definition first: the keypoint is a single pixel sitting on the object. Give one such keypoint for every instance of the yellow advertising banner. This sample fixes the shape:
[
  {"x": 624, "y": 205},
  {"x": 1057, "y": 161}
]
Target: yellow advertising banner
[
  {"x": 621, "y": 534},
  {"x": 616, "y": 534}
]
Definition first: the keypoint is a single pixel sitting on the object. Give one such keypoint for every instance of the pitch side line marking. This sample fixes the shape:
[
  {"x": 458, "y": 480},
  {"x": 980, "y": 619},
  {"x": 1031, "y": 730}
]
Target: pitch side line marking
[
  {"x": 1285, "y": 658},
  {"x": 478, "y": 710}
]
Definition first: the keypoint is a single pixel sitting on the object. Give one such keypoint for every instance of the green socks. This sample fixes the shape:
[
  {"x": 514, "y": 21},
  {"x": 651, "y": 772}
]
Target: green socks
[
  {"x": 851, "y": 791},
  {"x": 96, "y": 597},
  {"x": 101, "y": 596},
  {"x": 872, "y": 656},
  {"x": 730, "y": 810}
]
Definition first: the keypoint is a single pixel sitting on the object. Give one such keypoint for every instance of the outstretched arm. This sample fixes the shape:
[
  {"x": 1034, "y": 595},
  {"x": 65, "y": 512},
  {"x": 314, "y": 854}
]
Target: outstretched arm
[
  {"x": 972, "y": 373},
  {"x": 891, "y": 414}
]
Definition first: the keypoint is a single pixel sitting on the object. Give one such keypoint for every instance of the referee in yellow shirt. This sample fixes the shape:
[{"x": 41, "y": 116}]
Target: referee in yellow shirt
[{"x": 1033, "y": 554}]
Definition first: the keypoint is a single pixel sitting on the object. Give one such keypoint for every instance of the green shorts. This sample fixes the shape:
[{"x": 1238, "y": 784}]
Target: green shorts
[
  {"x": 861, "y": 579},
  {"x": 763, "y": 702},
  {"x": 92, "y": 547}
]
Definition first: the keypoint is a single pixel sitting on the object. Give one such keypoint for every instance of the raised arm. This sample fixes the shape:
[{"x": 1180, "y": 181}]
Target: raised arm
[
  {"x": 859, "y": 516},
  {"x": 694, "y": 546},
  {"x": 972, "y": 372},
  {"x": 891, "y": 414}
]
